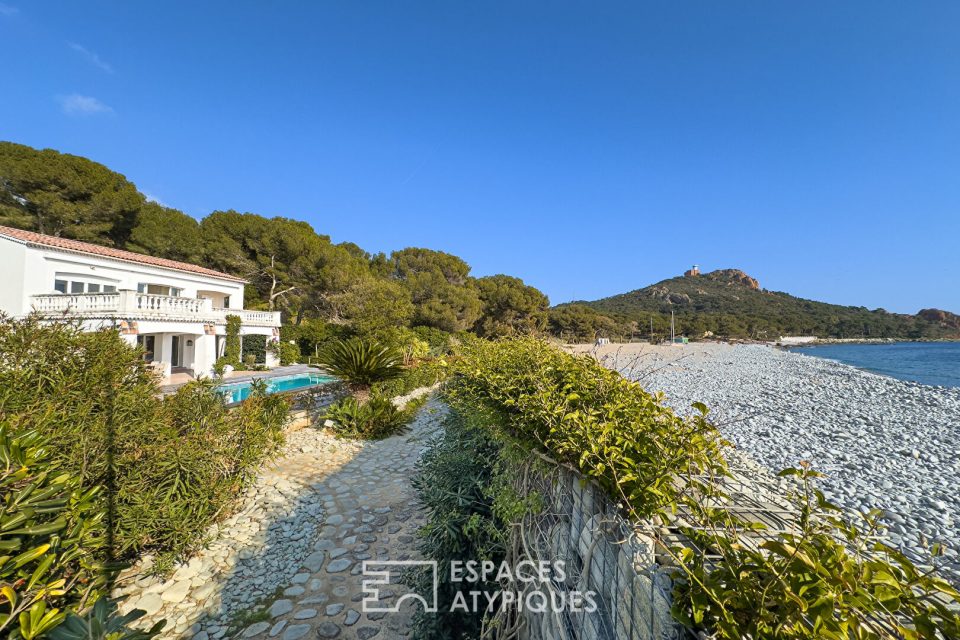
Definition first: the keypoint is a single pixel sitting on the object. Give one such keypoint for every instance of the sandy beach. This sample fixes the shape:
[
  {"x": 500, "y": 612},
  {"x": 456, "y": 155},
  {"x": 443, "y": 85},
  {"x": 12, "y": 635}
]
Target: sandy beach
[{"x": 882, "y": 442}]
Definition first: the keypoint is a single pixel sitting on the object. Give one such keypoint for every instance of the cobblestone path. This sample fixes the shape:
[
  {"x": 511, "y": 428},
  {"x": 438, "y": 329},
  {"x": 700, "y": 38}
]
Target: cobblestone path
[{"x": 288, "y": 566}]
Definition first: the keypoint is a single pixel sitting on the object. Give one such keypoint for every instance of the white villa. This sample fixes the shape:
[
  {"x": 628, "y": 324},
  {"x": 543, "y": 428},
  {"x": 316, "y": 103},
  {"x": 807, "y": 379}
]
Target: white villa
[{"x": 174, "y": 310}]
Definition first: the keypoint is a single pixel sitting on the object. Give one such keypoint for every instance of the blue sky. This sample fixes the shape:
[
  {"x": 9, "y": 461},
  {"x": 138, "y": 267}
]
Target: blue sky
[{"x": 589, "y": 148}]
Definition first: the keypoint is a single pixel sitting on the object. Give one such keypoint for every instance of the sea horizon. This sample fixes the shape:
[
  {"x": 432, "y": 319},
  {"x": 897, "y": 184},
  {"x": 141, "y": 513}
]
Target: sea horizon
[{"x": 932, "y": 363}]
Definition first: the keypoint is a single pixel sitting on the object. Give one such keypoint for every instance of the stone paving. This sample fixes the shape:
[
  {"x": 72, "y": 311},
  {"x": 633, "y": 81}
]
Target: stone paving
[{"x": 288, "y": 565}]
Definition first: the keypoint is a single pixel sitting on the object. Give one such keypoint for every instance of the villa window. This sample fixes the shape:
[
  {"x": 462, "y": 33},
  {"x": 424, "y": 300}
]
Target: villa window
[
  {"x": 159, "y": 289},
  {"x": 220, "y": 301},
  {"x": 148, "y": 343},
  {"x": 62, "y": 285}
]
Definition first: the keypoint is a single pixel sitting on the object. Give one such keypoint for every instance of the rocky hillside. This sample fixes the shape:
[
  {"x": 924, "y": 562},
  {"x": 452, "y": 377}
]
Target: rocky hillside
[
  {"x": 728, "y": 302},
  {"x": 944, "y": 319}
]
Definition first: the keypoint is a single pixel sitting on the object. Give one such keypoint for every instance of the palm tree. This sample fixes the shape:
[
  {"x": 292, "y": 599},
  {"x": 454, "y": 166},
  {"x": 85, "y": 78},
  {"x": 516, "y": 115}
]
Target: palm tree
[{"x": 360, "y": 363}]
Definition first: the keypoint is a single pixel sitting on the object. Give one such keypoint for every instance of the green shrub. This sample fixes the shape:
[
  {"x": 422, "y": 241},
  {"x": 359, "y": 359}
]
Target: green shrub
[
  {"x": 232, "y": 344},
  {"x": 455, "y": 481},
  {"x": 178, "y": 476},
  {"x": 439, "y": 341},
  {"x": 254, "y": 349},
  {"x": 51, "y": 536},
  {"x": 375, "y": 419},
  {"x": 591, "y": 417},
  {"x": 425, "y": 373},
  {"x": 286, "y": 352},
  {"x": 169, "y": 466},
  {"x": 361, "y": 363},
  {"x": 402, "y": 341},
  {"x": 103, "y": 622},
  {"x": 827, "y": 579},
  {"x": 220, "y": 366}
]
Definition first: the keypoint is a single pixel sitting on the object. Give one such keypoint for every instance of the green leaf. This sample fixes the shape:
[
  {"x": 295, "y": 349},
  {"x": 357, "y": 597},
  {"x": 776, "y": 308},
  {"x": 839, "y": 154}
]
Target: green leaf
[{"x": 29, "y": 556}]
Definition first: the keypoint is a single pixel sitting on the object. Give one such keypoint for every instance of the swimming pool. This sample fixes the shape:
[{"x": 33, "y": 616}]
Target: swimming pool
[{"x": 239, "y": 391}]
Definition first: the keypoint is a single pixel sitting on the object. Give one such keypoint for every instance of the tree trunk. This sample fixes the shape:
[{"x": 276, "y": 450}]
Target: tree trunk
[{"x": 361, "y": 393}]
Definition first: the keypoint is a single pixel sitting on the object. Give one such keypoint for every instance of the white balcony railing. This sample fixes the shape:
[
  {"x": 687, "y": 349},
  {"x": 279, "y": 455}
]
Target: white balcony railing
[
  {"x": 253, "y": 317},
  {"x": 172, "y": 305},
  {"x": 133, "y": 305},
  {"x": 76, "y": 304}
]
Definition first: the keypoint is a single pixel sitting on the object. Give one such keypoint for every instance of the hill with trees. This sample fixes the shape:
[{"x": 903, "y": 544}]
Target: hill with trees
[
  {"x": 730, "y": 303},
  {"x": 325, "y": 288},
  {"x": 322, "y": 288}
]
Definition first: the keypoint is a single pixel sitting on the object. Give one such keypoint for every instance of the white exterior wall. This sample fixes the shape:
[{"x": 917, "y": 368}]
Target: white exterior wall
[
  {"x": 40, "y": 267},
  {"x": 28, "y": 270},
  {"x": 204, "y": 355},
  {"x": 200, "y": 355},
  {"x": 12, "y": 287}
]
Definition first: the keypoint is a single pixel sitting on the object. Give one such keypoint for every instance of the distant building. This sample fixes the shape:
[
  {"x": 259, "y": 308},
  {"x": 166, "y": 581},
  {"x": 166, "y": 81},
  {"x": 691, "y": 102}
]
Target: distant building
[{"x": 694, "y": 271}]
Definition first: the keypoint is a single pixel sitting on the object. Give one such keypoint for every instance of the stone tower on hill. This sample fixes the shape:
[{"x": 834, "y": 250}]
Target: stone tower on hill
[{"x": 694, "y": 271}]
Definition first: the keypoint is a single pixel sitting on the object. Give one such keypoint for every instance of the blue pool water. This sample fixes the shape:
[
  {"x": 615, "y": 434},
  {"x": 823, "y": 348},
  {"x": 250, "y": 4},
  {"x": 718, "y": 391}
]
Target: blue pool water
[
  {"x": 238, "y": 391},
  {"x": 933, "y": 363}
]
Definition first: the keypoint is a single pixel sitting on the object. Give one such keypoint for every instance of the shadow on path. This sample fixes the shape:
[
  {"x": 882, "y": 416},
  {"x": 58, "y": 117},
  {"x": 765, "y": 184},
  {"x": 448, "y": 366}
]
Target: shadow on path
[{"x": 288, "y": 565}]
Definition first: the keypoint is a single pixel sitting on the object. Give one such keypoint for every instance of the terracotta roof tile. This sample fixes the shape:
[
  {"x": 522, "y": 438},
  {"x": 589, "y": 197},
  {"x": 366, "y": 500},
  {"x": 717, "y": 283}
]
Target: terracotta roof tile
[{"x": 65, "y": 244}]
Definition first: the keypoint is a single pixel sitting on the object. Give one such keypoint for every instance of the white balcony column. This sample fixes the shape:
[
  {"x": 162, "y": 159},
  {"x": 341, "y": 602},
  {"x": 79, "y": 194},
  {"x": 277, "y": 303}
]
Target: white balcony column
[
  {"x": 271, "y": 358},
  {"x": 204, "y": 355},
  {"x": 128, "y": 300},
  {"x": 164, "y": 348}
]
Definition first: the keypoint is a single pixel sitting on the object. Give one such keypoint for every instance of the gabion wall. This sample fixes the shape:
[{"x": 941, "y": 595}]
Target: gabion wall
[{"x": 601, "y": 552}]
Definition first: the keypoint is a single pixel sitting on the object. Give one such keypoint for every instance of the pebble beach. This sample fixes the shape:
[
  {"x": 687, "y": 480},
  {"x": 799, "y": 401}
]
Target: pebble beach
[{"x": 882, "y": 443}]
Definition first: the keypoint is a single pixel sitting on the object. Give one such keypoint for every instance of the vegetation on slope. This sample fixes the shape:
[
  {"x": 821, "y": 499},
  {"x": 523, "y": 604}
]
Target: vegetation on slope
[
  {"x": 456, "y": 483},
  {"x": 729, "y": 303},
  {"x": 168, "y": 466},
  {"x": 50, "y": 533},
  {"x": 96, "y": 469},
  {"x": 291, "y": 268},
  {"x": 373, "y": 373},
  {"x": 360, "y": 364},
  {"x": 311, "y": 279},
  {"x": 824, "y": 577}
]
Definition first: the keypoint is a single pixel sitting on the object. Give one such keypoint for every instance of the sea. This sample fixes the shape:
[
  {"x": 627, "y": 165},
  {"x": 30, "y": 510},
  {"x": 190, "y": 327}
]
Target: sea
[{"x": 933, "y": 363}]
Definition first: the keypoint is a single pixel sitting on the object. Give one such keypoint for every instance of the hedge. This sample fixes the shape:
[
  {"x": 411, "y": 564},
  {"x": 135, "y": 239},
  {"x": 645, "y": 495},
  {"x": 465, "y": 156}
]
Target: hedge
[
  {"x": 583, "y": 414},
  {"x": 828, "y": 578},
  {"x": 168, "y": 466}
]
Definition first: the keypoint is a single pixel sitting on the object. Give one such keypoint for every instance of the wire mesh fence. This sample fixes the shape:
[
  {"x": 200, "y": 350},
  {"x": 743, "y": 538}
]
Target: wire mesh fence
[
  {"x": 622, "y": 563},
  {"x": 602, "y": 555}
]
